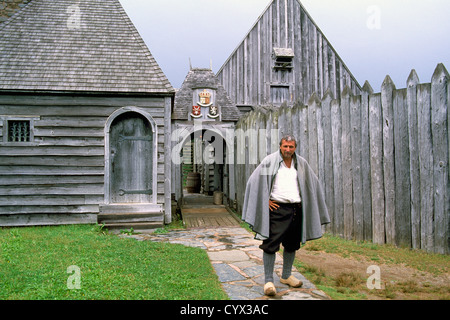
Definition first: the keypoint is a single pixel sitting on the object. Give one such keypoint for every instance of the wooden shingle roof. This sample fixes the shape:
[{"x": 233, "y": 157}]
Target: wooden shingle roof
[{"x": 76, "y": 45}]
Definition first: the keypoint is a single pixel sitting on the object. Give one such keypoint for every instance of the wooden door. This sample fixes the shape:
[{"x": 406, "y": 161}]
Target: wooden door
[{"x": 131, "y": 143}]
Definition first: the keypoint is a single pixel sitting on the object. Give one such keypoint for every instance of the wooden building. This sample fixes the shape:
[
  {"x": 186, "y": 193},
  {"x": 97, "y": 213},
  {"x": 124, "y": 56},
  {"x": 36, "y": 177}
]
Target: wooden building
[
  {"x": 84, "y": 118},
  {"x": 284, "y": 58},
  {"x": 203, "y": 122}
]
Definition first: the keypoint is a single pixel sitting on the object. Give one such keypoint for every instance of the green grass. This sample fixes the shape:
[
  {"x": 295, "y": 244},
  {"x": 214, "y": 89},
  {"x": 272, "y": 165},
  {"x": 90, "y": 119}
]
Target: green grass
[{"x": 34, "y": 265}]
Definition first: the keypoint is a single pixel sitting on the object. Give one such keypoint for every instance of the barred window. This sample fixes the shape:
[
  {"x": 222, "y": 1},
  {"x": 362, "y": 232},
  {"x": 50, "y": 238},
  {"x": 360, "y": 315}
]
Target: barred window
[{"x": 19, "y": 131}]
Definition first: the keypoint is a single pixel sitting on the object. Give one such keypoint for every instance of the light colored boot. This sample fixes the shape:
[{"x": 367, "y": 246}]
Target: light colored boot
[
  {"x": 269, "y": 289},
  {"x": 292, "y": 281}
]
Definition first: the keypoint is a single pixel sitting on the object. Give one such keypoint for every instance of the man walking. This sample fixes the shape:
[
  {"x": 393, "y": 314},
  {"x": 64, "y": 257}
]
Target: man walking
[{"x": 284, "y": 204}]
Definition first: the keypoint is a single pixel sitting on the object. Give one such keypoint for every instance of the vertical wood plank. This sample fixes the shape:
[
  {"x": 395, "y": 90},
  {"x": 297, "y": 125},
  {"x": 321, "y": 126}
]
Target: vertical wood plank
[
  {"x": 288, "y": 119},
  {"x": 304, "y": 134},
  {"x": 439, "y": 117},
  {"x": 326, "y": 74},
  {"x": 365, "y": 161},
  {"x": 320, "y": 89},
  {"x": 426, "y": 166},
  {"x": 347, "y": 164},
  {"x": 328, "y": 154},
  {"x": 402, "y": 171},
  {"x": 168, "y": 163},
  {"x": 275, "y": 138},
  {"x": 298, "y": 54},
  {"x": 411, "y": 101},
  {"x": 356, "y": 155},
  {"x": 387, "y": 90},
  {"x": 312, "y": 128},
  {"x": 336, "y": 126},
  {"x": 282, "y": 119},
  {"x": 305, "y": 56},
  {"x": 332, "y": 72},
  {"x": 376, "y": 168},
  {"x": 320, "y": 143},
  {"x": 295, "y": 122}
]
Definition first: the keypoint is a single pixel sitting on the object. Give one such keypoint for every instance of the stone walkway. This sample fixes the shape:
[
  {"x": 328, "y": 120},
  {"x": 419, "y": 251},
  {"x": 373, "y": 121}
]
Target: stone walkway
[{"x": 237, "y": 260}]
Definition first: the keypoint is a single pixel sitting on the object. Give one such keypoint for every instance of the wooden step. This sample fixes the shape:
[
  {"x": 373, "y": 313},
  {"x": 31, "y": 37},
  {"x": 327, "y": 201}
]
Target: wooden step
[
  {"x": 131, "y": 208},
  {"x": 130, "y": 217},
  {"x": 139, "y": 227},
  {"x": 140, "y": 217}
]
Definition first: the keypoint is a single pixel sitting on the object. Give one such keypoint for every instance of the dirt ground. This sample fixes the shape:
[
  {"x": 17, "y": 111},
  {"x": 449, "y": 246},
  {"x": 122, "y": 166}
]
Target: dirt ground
[{"x": 397, "y": 281}]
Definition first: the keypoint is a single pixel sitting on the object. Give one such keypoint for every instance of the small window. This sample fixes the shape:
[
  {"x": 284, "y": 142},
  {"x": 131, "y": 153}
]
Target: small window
[
  {"x": 283, "y": 63},
  {"x": 284, "y": 58},
  {"x": 19, "y": 131},
  {"x": 279, "y": 94}
]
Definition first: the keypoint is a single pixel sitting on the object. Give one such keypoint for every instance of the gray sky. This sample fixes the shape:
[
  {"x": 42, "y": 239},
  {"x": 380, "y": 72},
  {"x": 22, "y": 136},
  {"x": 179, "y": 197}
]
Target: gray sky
[{"x": 373, "y": 37}]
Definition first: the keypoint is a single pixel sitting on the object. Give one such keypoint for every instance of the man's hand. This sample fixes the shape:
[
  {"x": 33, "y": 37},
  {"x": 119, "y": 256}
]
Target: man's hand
[{"x": 273, "y": 205}]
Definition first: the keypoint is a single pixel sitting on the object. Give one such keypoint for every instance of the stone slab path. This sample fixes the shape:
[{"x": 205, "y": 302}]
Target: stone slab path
[{"x": 237, "y": 260}]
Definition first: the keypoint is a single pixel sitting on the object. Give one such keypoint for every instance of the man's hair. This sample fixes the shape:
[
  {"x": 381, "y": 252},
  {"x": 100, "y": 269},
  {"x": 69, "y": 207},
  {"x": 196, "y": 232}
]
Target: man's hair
[{"x": 288, "y": 138}]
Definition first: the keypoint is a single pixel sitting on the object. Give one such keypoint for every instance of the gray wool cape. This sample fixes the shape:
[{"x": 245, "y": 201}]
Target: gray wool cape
[{"x": 255, "y": 210}]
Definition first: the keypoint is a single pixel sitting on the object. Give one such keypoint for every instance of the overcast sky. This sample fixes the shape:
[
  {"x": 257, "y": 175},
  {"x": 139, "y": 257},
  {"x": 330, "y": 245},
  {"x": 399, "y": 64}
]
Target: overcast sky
[{"x": 373, "y": 37}]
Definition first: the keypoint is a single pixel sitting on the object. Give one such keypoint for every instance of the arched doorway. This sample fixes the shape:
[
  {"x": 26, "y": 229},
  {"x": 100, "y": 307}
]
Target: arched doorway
[
  {"x": 204, "y": 149},
  {"x": 130, "y": 157},
  {"x": 204, "y": 154}
]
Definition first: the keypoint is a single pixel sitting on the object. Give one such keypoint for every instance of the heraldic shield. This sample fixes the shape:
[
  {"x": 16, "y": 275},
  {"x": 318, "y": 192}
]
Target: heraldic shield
[{"x": 205, "y": 99}]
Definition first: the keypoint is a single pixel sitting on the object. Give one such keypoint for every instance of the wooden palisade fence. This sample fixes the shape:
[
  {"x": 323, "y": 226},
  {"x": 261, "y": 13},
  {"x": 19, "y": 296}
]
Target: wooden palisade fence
[{"x": 382, "y": 158}]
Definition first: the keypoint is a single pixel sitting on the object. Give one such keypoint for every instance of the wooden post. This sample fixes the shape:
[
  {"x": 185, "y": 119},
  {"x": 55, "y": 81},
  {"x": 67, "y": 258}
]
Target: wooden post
[
  {"x": 336, "y": 128},
  {"x": 387, "y": 90},
  {"x": 275, "y": 139},
  {"x": 313, "y": 104},
  {"x": 320, "y": 142},
  {"x": 365, "y": 161},
  {"x": 376, "y": 168},
  {"x": 295, "y": 122},
  {"x": 168, "y": 162},
  {"x": 304, "y": 134},
  {"x": 282, "y": 119},
  {"x": 287, "y": 119},
  {"x": 411, "y": 100},
  {"x": 425, "y": 165},
  {"x": 402, "y": 171},
  {"x": 439, "y": 127},
  {"x": 328, "y": 153},
  {"x": 347, "y": 164},
  {"x": 356, "y": 155}
]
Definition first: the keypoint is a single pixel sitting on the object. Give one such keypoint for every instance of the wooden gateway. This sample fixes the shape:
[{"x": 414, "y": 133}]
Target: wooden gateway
[
  {"x": 84, "y": 116},
  {"x": 203, "y": 123}
]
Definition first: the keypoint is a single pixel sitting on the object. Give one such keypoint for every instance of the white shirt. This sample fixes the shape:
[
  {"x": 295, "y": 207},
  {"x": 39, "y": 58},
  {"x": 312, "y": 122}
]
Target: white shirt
[{"x": 285, "y": 186}]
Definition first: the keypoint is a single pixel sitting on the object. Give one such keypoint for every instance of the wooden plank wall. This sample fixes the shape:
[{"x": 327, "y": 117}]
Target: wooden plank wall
[
  {"x": 382, "y": 159},
  {"x": 248, "y": 73},
  {"x": 58, "y": 178}
]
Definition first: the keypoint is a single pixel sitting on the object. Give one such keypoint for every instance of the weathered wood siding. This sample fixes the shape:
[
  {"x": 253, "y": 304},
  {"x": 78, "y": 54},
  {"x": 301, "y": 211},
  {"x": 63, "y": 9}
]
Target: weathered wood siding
[
  {"x": 382, "y": 158},
  {"x": 249, "y": 76},
  {"x": 58, "y": 177}
]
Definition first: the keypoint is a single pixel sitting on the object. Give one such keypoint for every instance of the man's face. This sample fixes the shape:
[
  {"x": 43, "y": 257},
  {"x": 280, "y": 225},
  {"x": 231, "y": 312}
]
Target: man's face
[{"x": 287, "y": 149}]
